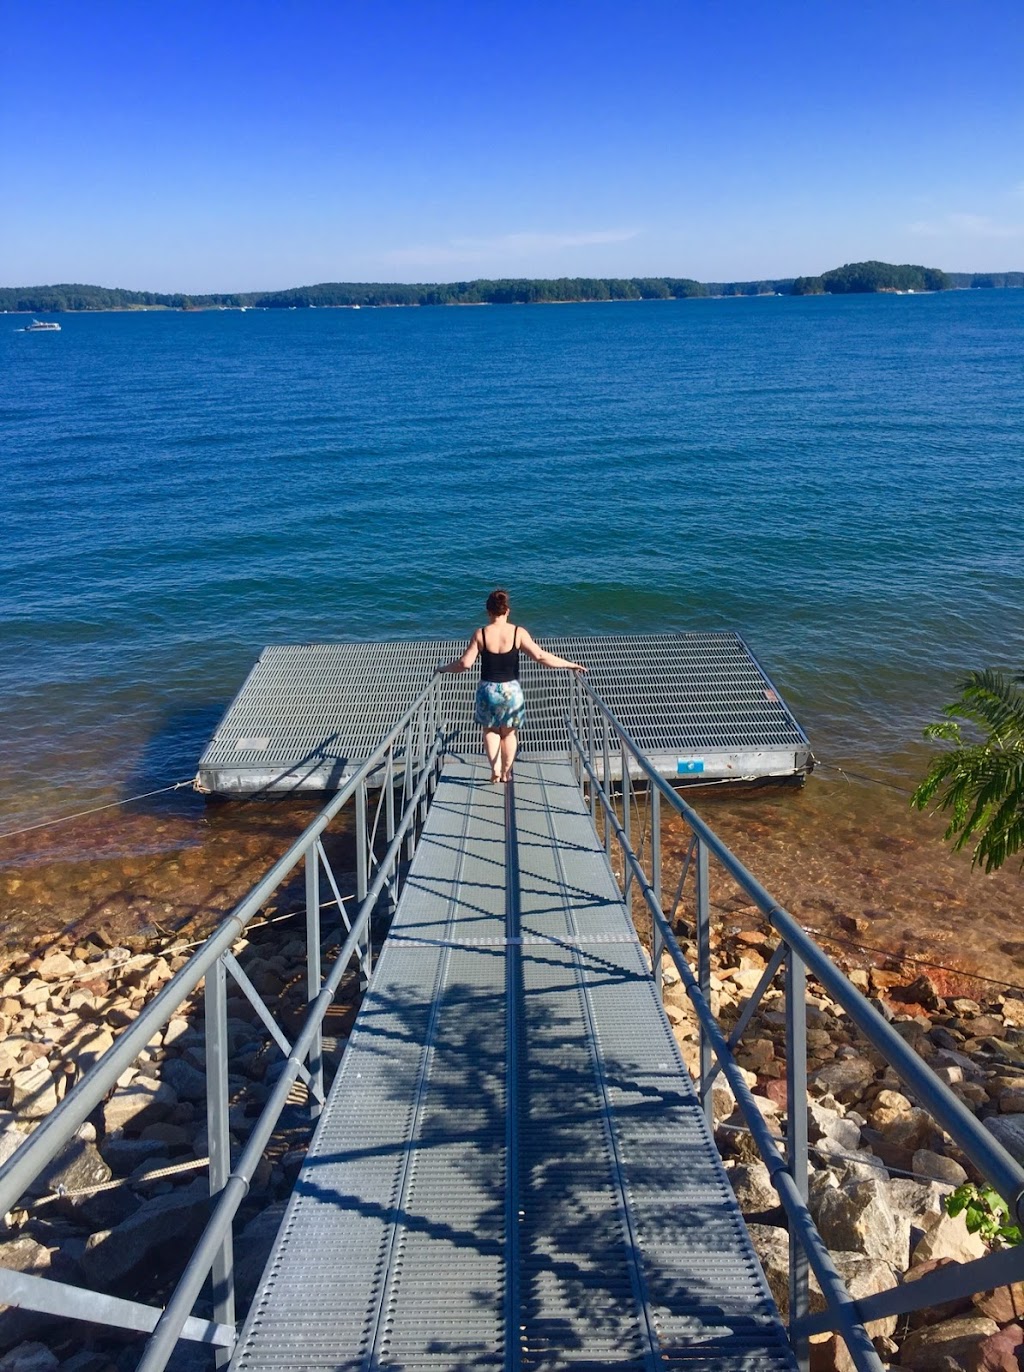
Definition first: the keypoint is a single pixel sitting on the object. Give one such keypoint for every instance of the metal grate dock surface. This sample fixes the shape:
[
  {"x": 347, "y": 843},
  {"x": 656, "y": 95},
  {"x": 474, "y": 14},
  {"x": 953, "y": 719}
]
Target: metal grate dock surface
[
  {"x": 698, "y": 704},
  {"x": 512, "y": 1170}
]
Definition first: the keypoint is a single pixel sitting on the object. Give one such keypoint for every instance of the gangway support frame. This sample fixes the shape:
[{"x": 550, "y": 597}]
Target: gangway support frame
[{"x": 513, "y": 1169}]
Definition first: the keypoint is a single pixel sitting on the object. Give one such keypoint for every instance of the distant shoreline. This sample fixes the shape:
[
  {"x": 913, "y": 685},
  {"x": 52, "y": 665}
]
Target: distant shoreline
[
  {"x": 855, "y": 278},
  {"x": 450, "y": 304}
]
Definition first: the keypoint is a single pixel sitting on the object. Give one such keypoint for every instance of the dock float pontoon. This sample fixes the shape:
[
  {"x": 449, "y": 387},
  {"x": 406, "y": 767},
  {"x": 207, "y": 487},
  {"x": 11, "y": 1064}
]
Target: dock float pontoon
[{"x": 700, "y": 705}]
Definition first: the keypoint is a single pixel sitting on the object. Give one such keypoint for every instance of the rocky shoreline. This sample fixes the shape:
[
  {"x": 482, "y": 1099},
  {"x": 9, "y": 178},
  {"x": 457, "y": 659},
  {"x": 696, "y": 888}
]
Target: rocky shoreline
[
  {"x": 880, "y": 1168},
  {"x": 119, "y": 1210},
  {"x": 127, "y": 1198}
]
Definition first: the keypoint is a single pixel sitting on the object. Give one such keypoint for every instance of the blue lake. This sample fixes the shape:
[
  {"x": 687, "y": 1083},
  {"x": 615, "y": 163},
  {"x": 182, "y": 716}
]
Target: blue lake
[{"x": 839, "y": 479}]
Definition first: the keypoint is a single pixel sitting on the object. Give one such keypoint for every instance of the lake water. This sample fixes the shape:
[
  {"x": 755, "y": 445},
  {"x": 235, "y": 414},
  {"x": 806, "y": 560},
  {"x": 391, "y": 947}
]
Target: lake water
[{"x": 837, "y": 478}]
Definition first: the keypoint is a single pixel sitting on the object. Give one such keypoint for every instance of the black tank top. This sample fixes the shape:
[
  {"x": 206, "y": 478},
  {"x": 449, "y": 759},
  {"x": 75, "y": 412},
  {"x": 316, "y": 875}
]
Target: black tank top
[{"x": 499, "y": 666}]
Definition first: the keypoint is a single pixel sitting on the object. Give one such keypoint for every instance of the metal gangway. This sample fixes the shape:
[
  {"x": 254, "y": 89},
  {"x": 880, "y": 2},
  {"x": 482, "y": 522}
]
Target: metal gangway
[{"x": 512, "y": 1169}]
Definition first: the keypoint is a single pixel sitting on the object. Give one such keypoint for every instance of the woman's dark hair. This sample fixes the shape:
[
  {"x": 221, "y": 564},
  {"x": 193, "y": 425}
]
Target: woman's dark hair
[{"x": 497, "y": 602}]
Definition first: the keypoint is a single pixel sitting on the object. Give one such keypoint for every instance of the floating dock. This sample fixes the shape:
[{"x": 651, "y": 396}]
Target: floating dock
[{"x": 699, "y": 704}]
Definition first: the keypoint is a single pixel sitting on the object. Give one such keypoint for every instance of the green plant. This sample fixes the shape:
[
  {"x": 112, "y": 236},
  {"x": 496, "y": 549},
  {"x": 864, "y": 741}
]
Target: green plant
[
  {"x": 981, "y": 784},
  {"x": 985, "y": 1213}
]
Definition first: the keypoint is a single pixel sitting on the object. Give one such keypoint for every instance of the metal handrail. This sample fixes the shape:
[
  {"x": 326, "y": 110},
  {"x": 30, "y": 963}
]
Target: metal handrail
[
  {"x": 424, "y": 743},
  {"x": 590, "y": 726}
]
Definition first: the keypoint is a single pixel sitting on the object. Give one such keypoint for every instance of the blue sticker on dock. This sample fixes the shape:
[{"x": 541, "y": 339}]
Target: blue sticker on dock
[{"x": 685, "y": 768}]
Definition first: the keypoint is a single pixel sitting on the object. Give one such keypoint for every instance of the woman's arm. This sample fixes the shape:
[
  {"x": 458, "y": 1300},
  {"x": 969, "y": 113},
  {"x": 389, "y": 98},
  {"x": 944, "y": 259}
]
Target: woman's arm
[
  {"x": 463, "y": 663},
  {"x": 546, "y": 659}
]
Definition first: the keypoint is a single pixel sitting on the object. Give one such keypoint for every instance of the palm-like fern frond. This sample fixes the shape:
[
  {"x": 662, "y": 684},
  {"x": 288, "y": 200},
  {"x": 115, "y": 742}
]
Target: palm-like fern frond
[{"x": 981, "y": 784}]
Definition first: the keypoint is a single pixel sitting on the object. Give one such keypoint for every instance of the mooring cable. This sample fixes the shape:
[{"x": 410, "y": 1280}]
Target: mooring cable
[
  {"x": 863, "y": 776},
  {"x": 95, "y": 810}
]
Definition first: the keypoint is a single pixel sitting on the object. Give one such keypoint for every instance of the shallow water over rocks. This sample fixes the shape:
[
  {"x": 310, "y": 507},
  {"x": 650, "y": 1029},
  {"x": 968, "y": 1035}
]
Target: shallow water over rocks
[{"x": 848, "y": 858}]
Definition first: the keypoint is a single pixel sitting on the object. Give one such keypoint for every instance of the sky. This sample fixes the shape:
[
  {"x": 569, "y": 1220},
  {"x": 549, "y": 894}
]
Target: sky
[{"x": 176, "y": 146}]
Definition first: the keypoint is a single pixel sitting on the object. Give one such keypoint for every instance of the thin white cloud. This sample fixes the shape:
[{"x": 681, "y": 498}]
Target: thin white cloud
[
  {"x": 965, "y": 226},
  {"x": 507, "y": 245}
]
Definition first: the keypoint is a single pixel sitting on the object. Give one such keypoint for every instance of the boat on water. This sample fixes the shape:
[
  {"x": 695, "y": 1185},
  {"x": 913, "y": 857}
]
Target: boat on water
[{"x": 42, "y": 326}]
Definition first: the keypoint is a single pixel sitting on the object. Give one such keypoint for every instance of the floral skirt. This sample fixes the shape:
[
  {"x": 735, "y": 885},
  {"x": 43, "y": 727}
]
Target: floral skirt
[{"x": 499, "y": 705}]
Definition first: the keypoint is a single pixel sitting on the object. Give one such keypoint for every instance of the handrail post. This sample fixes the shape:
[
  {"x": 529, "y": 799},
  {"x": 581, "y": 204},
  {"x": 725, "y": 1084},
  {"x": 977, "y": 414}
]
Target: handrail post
[
  {"x": 571, "y": 715},
  {"x": 657, "y": 941},
  {"x": 428, "y": 734},
  {"x": 313, "y": 976},
  {"x": 591, "y": 750},
  {"x": 407, "y": 789},
  {"x": 421, "y": 763},
  {"x": 580, "y": 730},
  {"x": 580, "y": 698},
  {"x": 222, "y": 1272},
  {"x": 703, "y": 920},
  {"x": 434, "y": 716},
  {"x": 362, "y": 869},
  {"x": 627, "y": 807},
  {"x": 389, "y": 816},
  {"x": 796, "y": 1142},
  {"x": 607, "y": 780}
]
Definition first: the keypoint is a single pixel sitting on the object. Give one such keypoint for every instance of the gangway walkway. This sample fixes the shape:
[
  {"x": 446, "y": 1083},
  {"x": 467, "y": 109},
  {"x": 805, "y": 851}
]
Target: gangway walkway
[{"x": 512, "y": 1169}]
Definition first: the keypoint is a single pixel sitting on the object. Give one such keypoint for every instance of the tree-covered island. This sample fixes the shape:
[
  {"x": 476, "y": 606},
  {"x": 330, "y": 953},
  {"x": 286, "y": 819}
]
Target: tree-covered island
[{"x": 860, "y": 277}]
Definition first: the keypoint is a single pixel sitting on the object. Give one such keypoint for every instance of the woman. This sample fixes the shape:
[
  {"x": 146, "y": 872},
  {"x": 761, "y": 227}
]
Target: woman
[{"x": 500, "y": 708}]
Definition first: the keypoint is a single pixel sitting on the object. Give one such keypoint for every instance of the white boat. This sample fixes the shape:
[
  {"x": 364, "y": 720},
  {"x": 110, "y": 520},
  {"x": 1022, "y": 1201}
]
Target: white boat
[{"x": 42, "y": 326}]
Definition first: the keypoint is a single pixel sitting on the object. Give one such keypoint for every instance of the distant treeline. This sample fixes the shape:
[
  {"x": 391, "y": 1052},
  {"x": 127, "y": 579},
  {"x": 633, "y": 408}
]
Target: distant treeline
[
  {"x": 985, "y": 280},
  {"x": 854, "y": 277}
]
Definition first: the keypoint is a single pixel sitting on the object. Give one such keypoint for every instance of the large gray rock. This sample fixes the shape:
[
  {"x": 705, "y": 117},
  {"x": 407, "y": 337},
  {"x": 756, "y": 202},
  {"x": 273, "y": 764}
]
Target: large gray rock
[
  {"x": 29, "y": 1357},
  {"x": 252, "y": 1248},
  {"x": 144, "y": 1101},
  {"x": 753, "y": 1188},
  {"x": 1009, "y": 1130},
  {"x": 829, "y": 1124},
  {"x": 78, "y": 1168},
  {"x": 772, "y": 1248},
  {"x": 186, "y": 1081},
  {"x": 88, "y": 1046},
  {"x": 11, "y": 1049},
  {"x": 863, "y": 1275},
  {"x": 910, "y": 1129},
  {"x": 34, "y": 1091},
  {"x": 846, "y": 1079},
  {"x": 867, "y": 1276},
  {"x": 916, "y": 1199},
  {"x": 87, "y": 1360},
  {"x": 123, "y": 1155},
  {"x": 934, "y": 1347},
  {"x": 939, "y": 1167},
  {"x": 858, "y": 1164},
  {"x": 10, "y": 1141},
  {"x": 22, "y": 1254},
  {"x": 858, "y": 1218},
  {"x": 121, "y": 1257},
  {"x": 947, "y": 1236}
]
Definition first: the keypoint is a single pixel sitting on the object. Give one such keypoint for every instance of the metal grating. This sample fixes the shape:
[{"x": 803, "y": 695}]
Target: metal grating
[
  {"x": 513, "y": 1170},
  {"x": 698, "y": 704}
]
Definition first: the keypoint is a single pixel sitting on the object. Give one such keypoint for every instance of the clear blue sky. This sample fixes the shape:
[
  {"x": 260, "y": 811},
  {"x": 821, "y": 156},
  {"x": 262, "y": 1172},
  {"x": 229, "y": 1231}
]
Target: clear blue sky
[{"x": 227, "y": 146}]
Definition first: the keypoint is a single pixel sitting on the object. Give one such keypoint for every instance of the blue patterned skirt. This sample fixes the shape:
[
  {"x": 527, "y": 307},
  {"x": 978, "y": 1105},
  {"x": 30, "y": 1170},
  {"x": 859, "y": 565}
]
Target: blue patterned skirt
[{"x": 499, "y": 705}]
